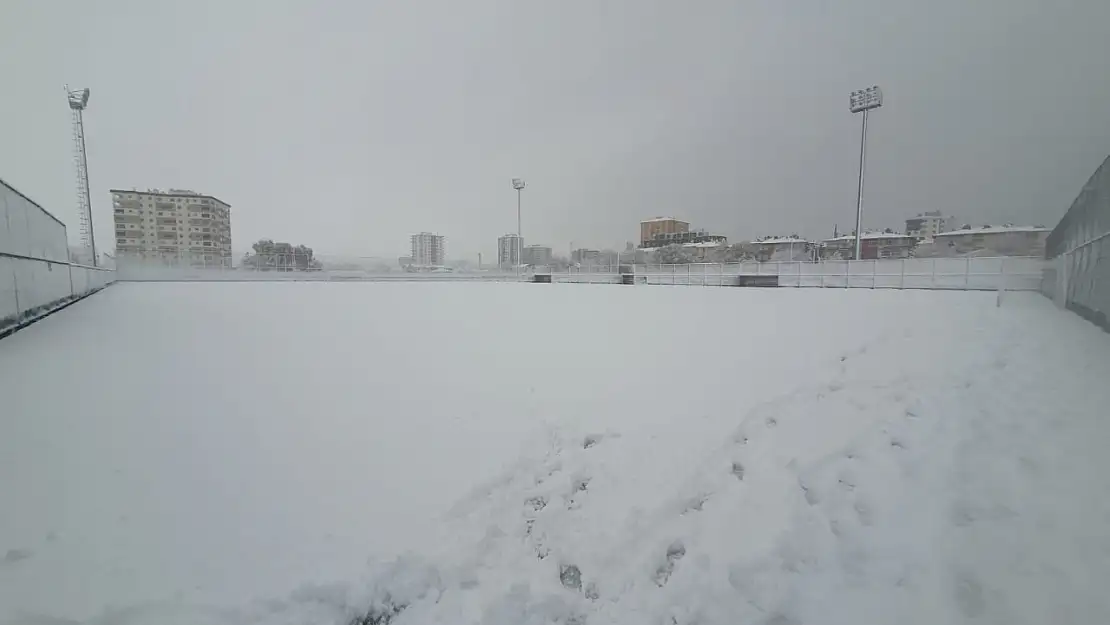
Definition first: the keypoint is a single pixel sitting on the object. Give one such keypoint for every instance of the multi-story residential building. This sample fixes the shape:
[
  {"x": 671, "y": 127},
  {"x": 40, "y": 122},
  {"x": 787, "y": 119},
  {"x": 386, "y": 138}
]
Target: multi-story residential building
[
  {"x": 585, "y": 256},
  {"x": 928, "y": 224},
  {"x": 792, "y": 248},
  {"x": 683, "y": 238},
  {"x": 993, "y": 241},
  {"x": 537, "y": 255},
  {"x": 651, "y": 228},
  {"x": 509, "y": 249},
  {"x": 872, "y": 245},
  {"x": 428, "y": 250},
  {"x": 175, "y": 227}
]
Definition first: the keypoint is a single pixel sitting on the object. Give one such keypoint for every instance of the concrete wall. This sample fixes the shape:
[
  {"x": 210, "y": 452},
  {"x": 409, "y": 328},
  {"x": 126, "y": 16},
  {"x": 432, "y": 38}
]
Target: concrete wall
[{"x": 35, "y": 273}]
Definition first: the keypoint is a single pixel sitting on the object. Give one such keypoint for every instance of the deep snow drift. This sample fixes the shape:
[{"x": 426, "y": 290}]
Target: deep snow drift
[{"x": 516, "y": 453}]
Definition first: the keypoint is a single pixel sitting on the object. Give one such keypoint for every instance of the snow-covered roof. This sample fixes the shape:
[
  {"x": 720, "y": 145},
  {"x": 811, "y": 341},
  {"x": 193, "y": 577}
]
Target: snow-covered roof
[
  {"x": 704, "y": 244},
  {"x": 994, "y": 230},
  {"x": 647, "y": 221},
  {"x": 781, "y": 240},
  {"x": 873, "y": 235}
]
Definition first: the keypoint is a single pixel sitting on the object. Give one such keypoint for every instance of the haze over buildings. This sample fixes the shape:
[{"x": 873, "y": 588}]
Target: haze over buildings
[{"x": 607, "y": 131}]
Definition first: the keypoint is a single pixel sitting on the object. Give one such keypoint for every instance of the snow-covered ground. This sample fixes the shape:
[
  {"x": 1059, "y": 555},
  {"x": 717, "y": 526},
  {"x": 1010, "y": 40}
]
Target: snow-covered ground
[{"x": 300, "y": 453}]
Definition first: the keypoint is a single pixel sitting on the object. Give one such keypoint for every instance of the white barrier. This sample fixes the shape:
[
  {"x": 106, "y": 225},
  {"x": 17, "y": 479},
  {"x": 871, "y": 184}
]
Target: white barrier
[
  {"x": 35, "y": 275},
  {"x": 1017, "y": 273}
]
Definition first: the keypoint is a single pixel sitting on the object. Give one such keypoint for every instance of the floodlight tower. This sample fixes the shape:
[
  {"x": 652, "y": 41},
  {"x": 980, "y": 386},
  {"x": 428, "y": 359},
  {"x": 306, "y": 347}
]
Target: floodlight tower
[
  {"x": 863, "y": 101},
  {"x": 78, "y": 100},
  {"x": 518, "y": 184}
]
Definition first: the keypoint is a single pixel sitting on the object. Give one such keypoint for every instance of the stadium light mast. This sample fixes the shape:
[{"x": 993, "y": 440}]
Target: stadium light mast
[
  {"x": 78, "y": 100},
  {"x": 863, "y": 101},
  {"x": 518, "y": 184}
]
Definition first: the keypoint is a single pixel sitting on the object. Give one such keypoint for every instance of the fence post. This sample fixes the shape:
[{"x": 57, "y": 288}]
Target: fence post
[
  {"x": 967, "y": 273},
  {"x": 15, "y": 287},
  {"x": 1002, "y": 282},
  {"x": 933, "y": 279},
  {"x": 902, "y": 276},
  {"x": 874, "y": 269},
  {"x": 847, "y": 272}
]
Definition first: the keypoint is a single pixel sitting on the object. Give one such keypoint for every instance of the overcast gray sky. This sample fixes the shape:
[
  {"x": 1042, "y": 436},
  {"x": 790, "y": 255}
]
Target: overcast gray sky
[{"x": 348, "y": 125}]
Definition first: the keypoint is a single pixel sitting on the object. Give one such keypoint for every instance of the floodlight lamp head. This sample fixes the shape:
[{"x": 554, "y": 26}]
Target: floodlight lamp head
[
  {"x": 78, "y": 98},
  {"x": 865, "y": 99}
]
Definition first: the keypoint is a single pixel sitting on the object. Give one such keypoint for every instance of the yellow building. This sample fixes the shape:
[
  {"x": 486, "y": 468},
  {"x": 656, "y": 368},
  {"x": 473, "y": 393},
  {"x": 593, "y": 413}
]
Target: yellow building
[{"x": 661, "y": 225}]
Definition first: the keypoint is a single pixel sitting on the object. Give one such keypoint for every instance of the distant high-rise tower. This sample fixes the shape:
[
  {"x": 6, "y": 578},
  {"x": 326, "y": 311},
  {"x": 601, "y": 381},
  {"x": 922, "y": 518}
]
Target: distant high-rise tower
[
  {"x": 428, "y": 250},
  {"x": 509, "y": 248},
  {"x": 78, "y": 100}
]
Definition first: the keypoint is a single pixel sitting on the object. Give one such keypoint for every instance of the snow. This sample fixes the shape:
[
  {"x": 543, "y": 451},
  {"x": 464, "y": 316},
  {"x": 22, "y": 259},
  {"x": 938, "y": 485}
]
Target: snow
[
  {"x": 784, "y": 240},
  {"x": 872, "y": 235},
  {"x": 266, "y": 453}
]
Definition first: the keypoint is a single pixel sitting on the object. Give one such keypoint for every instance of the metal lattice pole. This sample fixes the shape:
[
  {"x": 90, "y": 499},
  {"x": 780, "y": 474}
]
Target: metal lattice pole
[{"x": 78, "y": 100}]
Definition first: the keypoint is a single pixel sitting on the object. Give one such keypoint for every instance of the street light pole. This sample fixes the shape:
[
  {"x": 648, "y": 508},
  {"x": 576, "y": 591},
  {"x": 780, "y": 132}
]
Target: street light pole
[
  {"x": 863, "y": 101},
  {"x": 518, "y": 184}
]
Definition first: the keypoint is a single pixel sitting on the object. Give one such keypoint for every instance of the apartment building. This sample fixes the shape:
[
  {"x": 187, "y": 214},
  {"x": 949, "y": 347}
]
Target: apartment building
[
  {"x": 993, "y": 241},
  {"x": 177, "y": 227},
  {"x": 428, "y": 250},
  {"x": 872, "y": 245},
  {"x": 537, "y": 255},
  {"x": 585, "y": 256},
  {"x": 792, "y": 248},
  {"x": 509, "y": 250},
  {"x": 650, "y": 229},
  {"x": 928, "y": 224}
]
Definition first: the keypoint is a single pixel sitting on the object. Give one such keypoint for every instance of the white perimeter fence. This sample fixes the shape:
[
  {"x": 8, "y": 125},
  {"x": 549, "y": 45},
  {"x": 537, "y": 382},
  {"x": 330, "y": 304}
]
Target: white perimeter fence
[
  {"x": 1078, "y": 276},
  {"x": 1017, "y": 273},
  {"x": 1009, "y": 273},
  {"x": 35, "y": 273}
]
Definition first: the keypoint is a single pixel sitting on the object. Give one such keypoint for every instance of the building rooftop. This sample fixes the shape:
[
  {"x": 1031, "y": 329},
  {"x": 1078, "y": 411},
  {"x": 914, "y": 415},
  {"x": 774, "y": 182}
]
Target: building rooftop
[
  {"x": 647, "y": 221},
  {"x": 170, "y": 193},
  {"x": 994, "y": 230},
  {"x": 872, "y": 235},
  {"x": 781, "y": 240}
]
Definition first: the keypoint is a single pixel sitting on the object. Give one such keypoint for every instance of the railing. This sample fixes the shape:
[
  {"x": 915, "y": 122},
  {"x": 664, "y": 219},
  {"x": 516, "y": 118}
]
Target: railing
[
  {"x": 1078, "y": 274},
  {"x": 1009, "y": 273},
  {"x": 1017, "y": 273}
]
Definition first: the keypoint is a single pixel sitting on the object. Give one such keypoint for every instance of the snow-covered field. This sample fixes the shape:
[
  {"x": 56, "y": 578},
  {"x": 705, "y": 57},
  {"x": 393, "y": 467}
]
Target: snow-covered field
[{"x": 294, "y": 453}]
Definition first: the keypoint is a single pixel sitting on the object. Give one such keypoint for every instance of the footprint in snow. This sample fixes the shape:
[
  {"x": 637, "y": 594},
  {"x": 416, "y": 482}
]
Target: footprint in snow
[
  {"x": 570, "y": 576},
  {"x": 738, "y": 470},
  {"x": 811, "y": 496},
  {"x": 674, "y": 553},
  {"x": 581, "y": 485},
  {"x": 696, "y": 504}
]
